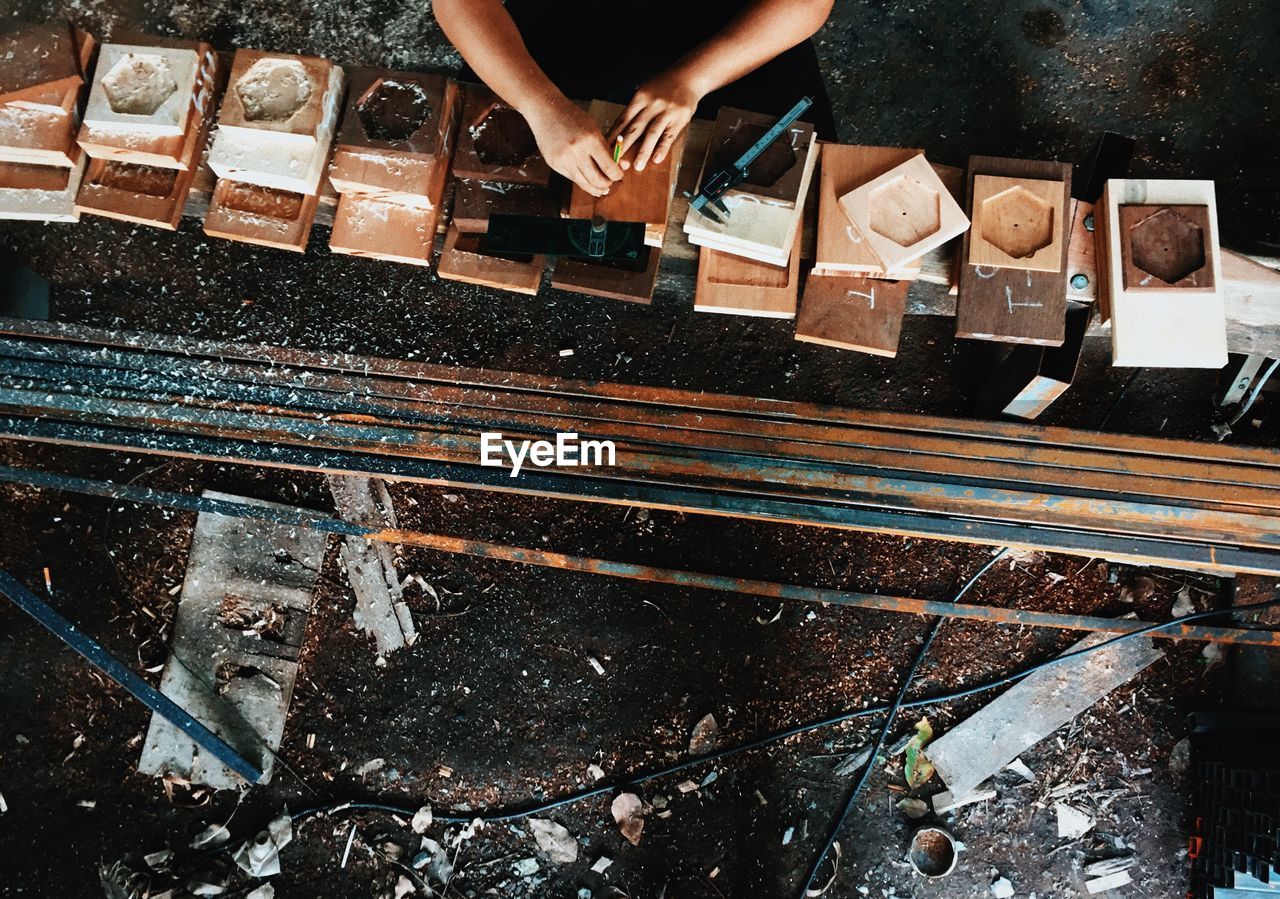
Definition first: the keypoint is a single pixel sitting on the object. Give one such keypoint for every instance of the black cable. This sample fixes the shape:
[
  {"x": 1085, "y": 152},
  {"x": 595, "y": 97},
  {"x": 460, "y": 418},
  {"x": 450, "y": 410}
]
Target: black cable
[
  {"x": 515, "y": 813},
  {"x": 852, "y": 799}
]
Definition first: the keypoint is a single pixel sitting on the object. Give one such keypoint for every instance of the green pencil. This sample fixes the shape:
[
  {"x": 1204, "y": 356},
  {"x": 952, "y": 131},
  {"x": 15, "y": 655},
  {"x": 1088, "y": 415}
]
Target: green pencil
[{"x": 617, "y": 148}]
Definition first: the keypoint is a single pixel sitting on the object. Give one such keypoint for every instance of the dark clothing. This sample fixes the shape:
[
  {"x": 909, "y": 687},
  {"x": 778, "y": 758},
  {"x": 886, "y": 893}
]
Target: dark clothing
[{"x": 604, "y": 50}]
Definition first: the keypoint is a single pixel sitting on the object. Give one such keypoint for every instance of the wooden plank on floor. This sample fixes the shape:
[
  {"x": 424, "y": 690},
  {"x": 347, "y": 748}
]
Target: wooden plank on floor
[{"x": 236, "y": 638}]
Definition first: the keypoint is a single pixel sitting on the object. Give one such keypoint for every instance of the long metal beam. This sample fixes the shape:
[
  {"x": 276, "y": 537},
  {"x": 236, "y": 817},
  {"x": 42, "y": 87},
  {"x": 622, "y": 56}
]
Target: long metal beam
[
  {"x": 628, "y": 570},
  {"x": 1137, "y": 499}
]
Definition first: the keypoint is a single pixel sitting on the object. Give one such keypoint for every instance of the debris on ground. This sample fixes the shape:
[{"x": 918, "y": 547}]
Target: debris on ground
[
  {"x": 1034, "y": 708},
  {"x": 1072, "y": 822},
  {"x": 917, "y": 768},
  {"x": 555, "y": 840},
  {"x": 946, "y": 801},
  {"x": 1001, "y": 888},
  {"x": 1110, "y": 882},
  {"x": 260, "y": 857},
  {"x": 628, "y": 810},
  {"x": 913, "y": 808},
  {"x": 422, "y": 819},
  {"x": 211, "y": 837},
  {"x": 1019, "y": 767},
  {"x": 705, "y": 736}
]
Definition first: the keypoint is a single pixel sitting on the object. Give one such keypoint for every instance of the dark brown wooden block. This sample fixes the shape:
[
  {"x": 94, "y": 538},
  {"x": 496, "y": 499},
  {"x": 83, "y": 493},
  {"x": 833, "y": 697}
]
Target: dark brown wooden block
[
  {"x": 495, "y": 142},
  {"x": 474, "y": 201},
  {"x": 1166, "y": 246},
  {"x": 37, "y": 58},
  {"x": 464, "y": 259},
  {"x": 1007, "y": 304},
  {"x": 853, "y": 312},
  {"x": 609, "y": 280},
  {"x": 261, "y": 215}
]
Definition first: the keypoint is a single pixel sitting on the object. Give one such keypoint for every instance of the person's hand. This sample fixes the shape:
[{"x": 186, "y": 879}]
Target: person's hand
[
  {"x": 661, "y": 109},
  {"x": 571, "y": 143}
]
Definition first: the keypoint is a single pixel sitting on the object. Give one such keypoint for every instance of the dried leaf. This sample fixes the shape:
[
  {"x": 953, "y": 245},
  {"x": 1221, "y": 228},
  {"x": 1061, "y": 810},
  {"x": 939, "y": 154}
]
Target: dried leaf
[
  {"x": 629, "y": 812},
  {"x": 705, "y": 736},
  {"x": 918, "y": 768}
]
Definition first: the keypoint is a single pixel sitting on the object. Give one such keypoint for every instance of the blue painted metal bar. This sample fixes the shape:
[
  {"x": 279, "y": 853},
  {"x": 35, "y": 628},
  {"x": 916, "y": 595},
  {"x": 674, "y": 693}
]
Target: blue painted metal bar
[{"x": 113, "y": 668}]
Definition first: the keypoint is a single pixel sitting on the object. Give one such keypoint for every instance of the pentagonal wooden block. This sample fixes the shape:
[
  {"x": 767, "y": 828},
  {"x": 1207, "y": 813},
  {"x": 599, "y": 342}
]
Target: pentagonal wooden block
[
  {"x": 1166, "y": 247},
  {"x": 904, "y": 213},
  {"x": 1017, "y": 223}
]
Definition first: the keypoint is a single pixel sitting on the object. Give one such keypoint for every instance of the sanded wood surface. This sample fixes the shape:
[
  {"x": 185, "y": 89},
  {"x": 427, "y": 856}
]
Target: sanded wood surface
[
  {"x": 730, "y": 284},
  {"x": 1014, "y": 305},
  {"x": 853, "y": 312},
  {"x": 383, "y": 229},
  {"x": 841, "y": 248},
  {"x": 1018, "y": 222}
]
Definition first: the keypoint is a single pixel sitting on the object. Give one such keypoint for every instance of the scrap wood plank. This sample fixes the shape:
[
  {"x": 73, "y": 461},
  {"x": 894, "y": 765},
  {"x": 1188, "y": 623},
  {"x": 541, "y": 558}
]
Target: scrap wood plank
[
  {"x": 371, "y": 568},
  {"x": 981, "y": 745},
  {"x": 853, "y": 312},
  {"x": 236, "y": 638}
]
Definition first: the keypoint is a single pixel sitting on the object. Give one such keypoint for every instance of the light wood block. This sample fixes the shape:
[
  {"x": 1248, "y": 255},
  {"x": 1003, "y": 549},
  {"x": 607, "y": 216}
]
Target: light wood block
[
  {"x": 904, "y": 213},
  {"x": 277, "y": 120},
  {"x": 853, "y": 312},
  {"x": 463, "y": 259},
  {"x": 379, "y": 229},
  {"x": 262, "y": 215},
  {"x": 840, "y": 248},
  {"x": 639, "y": 196},
  {"x": 764, "y": 209},
  {"x": 40, "y": 193},
  {"x": 1014, "y": 304},
  {"x": 182, "y": 151},
  {"x": 495, "y": 142},
  {"x": 1160, "y": 325},
  {"x": 143, "y": 90},
  {"x": 1017, "y": 223},
  {"x": 730, "y": 284},
  {"x": 36, "y": 59}
]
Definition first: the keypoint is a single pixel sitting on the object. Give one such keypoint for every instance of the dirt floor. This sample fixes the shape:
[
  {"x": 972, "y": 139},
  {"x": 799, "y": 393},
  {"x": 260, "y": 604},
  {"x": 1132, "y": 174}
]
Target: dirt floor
[{"x": 498, "y": 704}]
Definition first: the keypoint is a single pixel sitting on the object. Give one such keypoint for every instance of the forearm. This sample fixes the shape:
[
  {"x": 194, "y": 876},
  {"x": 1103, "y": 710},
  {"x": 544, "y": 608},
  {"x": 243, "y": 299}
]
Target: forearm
[
  {"x": 762, "y": 32},
  {"x": 485, "y": 35}
]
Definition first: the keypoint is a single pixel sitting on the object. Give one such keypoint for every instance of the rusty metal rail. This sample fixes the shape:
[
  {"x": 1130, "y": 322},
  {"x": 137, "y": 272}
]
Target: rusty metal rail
[{"x": 1140, "y": 499}]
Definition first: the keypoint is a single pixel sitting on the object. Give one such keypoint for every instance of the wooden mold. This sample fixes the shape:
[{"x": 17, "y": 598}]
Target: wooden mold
[
  {"x": 380, "y": 229},
  {"x": 277, "y": 120},
  {"x": 396, "y": 136},
  {"x": 1164, "y": 247},
  {"x": 766, "y": 208},
  {"x": 463, "y": 259},
  {"x": 1017, "y": 223},
  {"x": 40, "y": 193},
  {"x": 730, "y": 284},
  {"x": 474, "y": 201},
  {"x": 181, "y": 151},
  {"x": 904, "y": 213},
  {"x": 841, "y": 249},
  {"x": 613, "y": 281},
  {"x": 1174, "y": 227},
  {"x": 853, "y": 312},
  {"x": 39, "y": 125},
  {"x": 639, "y": 196},
  {"x": 495, "y": 142},
  {"x": 143, "y": 89},
  {"x": 261, "y": 215},
  {"x": 1015, "y": 304}
]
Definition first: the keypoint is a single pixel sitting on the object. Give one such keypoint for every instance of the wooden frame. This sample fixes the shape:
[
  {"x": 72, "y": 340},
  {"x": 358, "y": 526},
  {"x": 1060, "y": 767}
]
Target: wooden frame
[
  {"x": 1160, "y": 325},
  {"x": 1015, "y": 304},
  {"x": 40, "y": 193},
  {"x": 122, "y": 70},
  {"x": 853, "y": 312},
  {"x": 495, "y": 143},
  {"x": 764, "y": 212},
  {"x": 904, "y": 213},
  {"x": 36, "y": 59},
  {"x": 376, "y": 228},
  {"x": 1165, "y": 247},
  {"x": 732, "y": 285}
]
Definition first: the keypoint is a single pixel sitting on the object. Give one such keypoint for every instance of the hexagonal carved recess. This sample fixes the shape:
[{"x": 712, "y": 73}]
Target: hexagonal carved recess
[
  {"x": 138, "y": 84},
  {"x": 905, "y": 211},
  {"x": 393, "y": 110},
  {"x": 273, "y": 90},
  {"x": 1017, "y": 222},
  {"x": 1168, "y": 245},
  {"x": 504, "y": 138}
]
